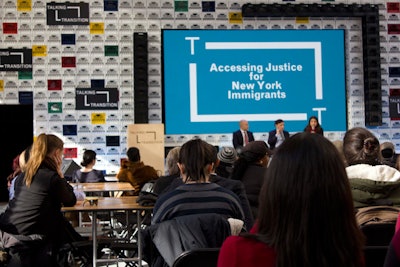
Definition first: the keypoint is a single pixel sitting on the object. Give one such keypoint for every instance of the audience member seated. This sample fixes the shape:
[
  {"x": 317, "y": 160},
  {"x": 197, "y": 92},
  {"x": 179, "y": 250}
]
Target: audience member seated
[
  {"x": 197, "y": 194},
  {"x": 16, "y": 171},
  {"x": 172, "y": 171},
  {"x": 226, "y": 157},
  {"x": 251, "y": 169},
  {"x": 388, "y": 154},
  {"x": 88, "y": 174},
  {"x": 238, "y": 189},
  {"x": 196, "y": 213},
  {"x": 235, "y": 186},
  {"x": 135, "y": 171},
  {"x": 19, "y": 165},
  {"x": 151, "y": 190},
  {"x": 304, "y": 220},
  {"x": 40, "y": 192},
  {"x": 372, "y": 182}
]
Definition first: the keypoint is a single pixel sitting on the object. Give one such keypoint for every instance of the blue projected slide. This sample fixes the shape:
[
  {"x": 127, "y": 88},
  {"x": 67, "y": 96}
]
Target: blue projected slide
[{"x": 214, "y": 78}]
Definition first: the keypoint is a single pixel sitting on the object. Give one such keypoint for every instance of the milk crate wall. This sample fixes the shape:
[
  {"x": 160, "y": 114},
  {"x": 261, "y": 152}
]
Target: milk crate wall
[{"x": 66, "y": 57}]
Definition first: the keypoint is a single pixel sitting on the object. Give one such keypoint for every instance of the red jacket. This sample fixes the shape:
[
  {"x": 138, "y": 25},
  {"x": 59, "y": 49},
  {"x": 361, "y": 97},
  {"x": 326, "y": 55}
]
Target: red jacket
[
  {"x": 237, "y": 251},
  {"x": 241, "y": 251}
]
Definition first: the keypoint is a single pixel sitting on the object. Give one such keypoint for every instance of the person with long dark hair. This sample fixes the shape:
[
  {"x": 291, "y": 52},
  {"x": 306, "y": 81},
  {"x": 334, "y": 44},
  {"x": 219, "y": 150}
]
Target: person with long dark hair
[
  {"x": 372, "y": 182},
  {"x": 313, "y": 126},
  {"x": 306, "y": 214}
]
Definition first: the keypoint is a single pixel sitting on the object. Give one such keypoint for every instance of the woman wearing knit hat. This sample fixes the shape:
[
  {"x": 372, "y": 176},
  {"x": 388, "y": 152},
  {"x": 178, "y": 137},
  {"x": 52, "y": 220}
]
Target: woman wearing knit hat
[
  {"x": 251, "y": 168},
  {"x": 226, "y": 158}
]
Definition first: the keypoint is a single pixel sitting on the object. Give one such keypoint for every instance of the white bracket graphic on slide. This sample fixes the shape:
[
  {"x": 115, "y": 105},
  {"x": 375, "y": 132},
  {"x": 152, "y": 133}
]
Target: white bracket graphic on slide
[
  {"x": 70, "y": 7},
  {"x": 20, "y": 54},
  {"x": 195, "y": 117},
  {"x": 87, "y": 104}
]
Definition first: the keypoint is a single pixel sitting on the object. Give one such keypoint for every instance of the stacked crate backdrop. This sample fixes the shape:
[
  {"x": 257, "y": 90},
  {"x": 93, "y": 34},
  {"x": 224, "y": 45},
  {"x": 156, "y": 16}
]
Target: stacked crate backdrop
[{"x": 119, "y": 50}]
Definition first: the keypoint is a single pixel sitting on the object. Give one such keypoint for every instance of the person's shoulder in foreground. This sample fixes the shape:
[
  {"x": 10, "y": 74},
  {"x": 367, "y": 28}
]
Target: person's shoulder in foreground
[
  {"x": 393, "y": 255},
  {"x": 238, "y": 251}
]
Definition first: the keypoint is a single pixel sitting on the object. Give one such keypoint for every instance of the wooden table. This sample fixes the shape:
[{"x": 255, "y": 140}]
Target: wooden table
[
  {"x": 103, "y": 186},
  {"x": 115, "y": 189},
  {"x": 111, "y": 204}
]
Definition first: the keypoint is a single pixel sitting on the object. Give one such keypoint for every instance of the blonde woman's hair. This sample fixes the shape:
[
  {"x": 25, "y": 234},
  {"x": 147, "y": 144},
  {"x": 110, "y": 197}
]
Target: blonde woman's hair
[
  {"x": 24, "y": 157},
  {"x": 44, "y": 145}
]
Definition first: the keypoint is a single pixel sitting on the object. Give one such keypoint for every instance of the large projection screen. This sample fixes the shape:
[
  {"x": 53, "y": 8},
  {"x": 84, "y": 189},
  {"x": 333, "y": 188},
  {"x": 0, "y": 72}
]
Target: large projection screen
[{"x": 214, "y": 78}]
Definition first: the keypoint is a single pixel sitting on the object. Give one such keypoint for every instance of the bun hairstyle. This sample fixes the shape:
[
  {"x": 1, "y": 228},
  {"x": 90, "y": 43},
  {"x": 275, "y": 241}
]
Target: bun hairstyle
[
  {"x": 361, "y": 146},
  {"x": 371, "y": 145},
  {"x": 88, "y": 157}
]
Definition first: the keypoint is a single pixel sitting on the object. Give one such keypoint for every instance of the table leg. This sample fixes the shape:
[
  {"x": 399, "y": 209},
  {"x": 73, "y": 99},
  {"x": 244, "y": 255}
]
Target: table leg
[
  {"x": 139, "y": 237},
  {"x": 80, "y": 219},
  {"x": 94, "y": 238}
]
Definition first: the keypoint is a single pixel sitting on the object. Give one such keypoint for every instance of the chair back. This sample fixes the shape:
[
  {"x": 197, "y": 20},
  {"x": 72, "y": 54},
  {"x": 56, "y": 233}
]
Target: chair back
[
  {"x": 378, "y": 237},
  {"x": 202, "y": 257}
]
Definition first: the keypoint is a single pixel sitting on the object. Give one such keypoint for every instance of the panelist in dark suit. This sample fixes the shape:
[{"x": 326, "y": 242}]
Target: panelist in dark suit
[
  {"x": 277, "y": 136},
  {"x": 242, "y": 136}
]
